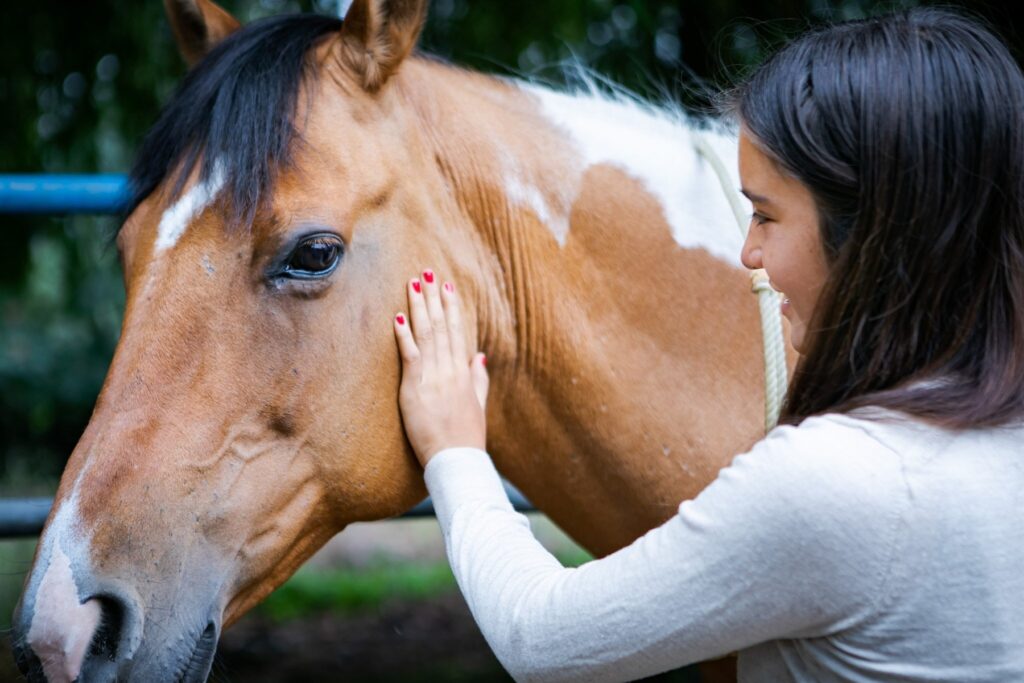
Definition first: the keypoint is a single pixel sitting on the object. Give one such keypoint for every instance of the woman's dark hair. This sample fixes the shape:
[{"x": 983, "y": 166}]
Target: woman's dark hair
[{"x": 908, "y": 130}]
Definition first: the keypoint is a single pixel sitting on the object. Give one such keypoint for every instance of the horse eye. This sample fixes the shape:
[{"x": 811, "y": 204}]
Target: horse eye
[{"x": 315, "y": 257}]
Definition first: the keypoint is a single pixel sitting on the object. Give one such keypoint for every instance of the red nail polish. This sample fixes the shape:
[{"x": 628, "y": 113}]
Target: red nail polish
[
  {"x": 416, "y": 286},
  {"x": 484, "y": 361},
  {"x": 448, "y": 287},
  {"x": 400, "y": 318},
  {"x": 428, "y": 275}
]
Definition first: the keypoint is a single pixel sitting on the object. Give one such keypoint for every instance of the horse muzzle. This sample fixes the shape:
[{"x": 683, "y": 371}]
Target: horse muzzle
[
  {"x": 72, "y": 624},
  {"x": 110, "y": 648}
]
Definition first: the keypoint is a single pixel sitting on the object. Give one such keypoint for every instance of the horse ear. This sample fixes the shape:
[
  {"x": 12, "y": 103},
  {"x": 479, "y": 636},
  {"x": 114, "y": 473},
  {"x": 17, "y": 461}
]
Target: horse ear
[
  {"x": 198, "y": 26},
  {"x": 378, "y": 34}
]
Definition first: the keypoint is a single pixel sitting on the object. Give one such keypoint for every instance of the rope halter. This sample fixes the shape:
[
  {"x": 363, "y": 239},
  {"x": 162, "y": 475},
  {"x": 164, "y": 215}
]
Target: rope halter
[{"x": 775, "y": 372}]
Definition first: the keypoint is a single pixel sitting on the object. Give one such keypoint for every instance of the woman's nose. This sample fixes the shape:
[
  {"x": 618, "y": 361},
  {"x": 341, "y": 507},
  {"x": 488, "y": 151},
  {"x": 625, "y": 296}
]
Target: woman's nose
[{"x": 750, "y": 255}]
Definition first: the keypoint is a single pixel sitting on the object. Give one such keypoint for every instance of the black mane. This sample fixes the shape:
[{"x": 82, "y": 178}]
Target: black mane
[{"x": 234, "y": 111}]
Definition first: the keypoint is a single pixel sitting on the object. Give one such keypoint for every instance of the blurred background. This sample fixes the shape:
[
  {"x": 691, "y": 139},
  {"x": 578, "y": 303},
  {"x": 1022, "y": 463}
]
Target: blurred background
[{"x": 82, "y": 81}]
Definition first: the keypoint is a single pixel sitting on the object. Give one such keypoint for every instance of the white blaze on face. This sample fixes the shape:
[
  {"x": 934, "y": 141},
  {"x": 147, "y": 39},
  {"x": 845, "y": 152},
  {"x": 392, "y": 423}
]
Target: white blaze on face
[
  {"x": 62, "y": 627},
  {"x": 189, "y": 206},
  {"x": 656, "y": 148}
]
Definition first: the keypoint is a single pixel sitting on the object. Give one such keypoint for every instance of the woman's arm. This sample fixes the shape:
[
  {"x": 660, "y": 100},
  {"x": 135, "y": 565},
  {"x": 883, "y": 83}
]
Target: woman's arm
[{"x": 765, "y": 552}]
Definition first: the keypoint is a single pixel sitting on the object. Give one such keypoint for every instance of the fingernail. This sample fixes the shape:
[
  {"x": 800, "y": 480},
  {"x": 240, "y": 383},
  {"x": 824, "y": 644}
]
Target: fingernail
[
  {"x": 483, "y": 359},
  {"x": 416, "y": 286},
  {"x": 428, "y": 275},
  {"x": 400, "y": 318},
  {"x": 449, "y": 287}
]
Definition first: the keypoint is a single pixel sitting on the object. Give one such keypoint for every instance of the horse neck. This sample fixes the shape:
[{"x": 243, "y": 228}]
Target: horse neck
[{"x": 619, "y": 327}]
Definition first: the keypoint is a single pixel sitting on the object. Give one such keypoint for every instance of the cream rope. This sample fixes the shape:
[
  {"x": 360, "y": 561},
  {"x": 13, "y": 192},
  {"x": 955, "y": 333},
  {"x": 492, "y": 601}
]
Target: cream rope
[{"x": 775, "y": 374}]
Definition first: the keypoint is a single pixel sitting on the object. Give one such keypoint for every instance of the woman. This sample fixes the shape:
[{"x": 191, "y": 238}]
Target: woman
[{"x": 877, "y": 534}]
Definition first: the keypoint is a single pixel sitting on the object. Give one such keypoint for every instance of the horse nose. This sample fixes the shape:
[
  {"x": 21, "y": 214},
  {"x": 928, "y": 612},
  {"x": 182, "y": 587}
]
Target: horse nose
[
  {"x": 28, "y": 663},
  {"x": 87, "y": 642},
  {"x": 110, "y": 642}
]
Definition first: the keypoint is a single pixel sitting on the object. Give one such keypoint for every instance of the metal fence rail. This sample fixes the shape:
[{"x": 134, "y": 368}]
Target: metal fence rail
[
  {"x": 20, "y": 517},
  {"x": 24, "y": 517},
  {"x": 93, "y": 194},
  {"x": 63, "y": 194}
]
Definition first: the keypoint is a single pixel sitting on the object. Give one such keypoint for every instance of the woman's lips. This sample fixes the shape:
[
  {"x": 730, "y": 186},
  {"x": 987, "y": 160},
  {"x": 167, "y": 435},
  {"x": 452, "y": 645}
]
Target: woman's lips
[{"x": 784, "y": 300}]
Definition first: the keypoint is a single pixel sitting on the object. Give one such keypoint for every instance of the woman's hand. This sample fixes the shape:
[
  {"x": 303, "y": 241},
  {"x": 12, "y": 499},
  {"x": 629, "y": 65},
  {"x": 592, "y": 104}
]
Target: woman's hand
[{"x": 442, "y": 396}]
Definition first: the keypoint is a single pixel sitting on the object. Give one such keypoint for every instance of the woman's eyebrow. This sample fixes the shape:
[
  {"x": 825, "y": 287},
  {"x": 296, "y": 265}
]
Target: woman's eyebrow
[{"x": 755, "y": 198}]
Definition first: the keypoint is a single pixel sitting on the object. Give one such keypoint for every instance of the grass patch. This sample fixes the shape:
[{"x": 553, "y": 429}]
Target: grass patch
[
  {"x": 346, "y": 591},
  {"x": 353, "y": 590}
]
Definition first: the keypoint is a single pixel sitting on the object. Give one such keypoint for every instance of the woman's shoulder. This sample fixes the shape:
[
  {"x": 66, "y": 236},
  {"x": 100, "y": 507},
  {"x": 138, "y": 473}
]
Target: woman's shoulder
[
  {"x": 877, "y": 456},
  {"x": 880, "y": 430},
  {"x": 829, "y": 491},
  {"x": 868, "y": 459},
  {"x": 828, "y": 466},
  {"x": 836, "y": 440}
]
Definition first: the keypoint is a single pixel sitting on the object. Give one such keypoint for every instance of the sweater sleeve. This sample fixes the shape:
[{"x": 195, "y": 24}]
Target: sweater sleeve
[{"x": 794, "y": 539}]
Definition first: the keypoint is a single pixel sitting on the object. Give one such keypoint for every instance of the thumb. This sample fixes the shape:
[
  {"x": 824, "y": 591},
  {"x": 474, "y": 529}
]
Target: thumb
[{"x": 481, "y": 381}]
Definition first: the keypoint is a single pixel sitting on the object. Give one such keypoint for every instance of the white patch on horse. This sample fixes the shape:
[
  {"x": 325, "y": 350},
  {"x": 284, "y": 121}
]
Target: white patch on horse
[
  {"x": 522, "y": 192},
  {"x": 62, "y": 625},
  {"x": 189, "y": 206},
  {"x": 655, "y": 146}
]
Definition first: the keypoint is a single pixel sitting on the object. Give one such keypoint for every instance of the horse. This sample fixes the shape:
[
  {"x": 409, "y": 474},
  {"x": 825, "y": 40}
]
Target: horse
[{"x": 303, "y": 171}]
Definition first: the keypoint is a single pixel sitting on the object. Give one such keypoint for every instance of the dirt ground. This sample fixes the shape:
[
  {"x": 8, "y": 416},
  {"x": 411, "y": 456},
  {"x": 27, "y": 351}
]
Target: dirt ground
[{"x": 429, "y": 640}]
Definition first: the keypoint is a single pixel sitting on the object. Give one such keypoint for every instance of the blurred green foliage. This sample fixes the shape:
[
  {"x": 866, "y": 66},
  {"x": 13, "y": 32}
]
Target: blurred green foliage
[
  {"x": 81, "y": 83},
  {"x": 344, "y": 590},
  {"x": 348, "y": 590}
]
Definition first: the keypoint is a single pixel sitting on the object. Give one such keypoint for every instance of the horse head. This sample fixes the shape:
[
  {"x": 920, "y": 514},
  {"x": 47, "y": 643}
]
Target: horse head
[{"x": 250, "y": 411}]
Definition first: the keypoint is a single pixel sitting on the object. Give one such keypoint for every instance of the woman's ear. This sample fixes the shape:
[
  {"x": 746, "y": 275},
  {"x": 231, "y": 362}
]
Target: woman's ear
[
  {"x": 198, "y": 26},
  {"x": 377, "y": 35}
]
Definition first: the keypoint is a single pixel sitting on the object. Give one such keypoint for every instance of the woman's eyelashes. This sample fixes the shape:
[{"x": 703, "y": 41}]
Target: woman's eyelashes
[{"x": 759, "y": 218}]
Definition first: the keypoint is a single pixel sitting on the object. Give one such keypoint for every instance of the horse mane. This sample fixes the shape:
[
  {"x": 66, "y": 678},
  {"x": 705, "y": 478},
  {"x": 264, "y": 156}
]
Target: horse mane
[{"x": 233, "y": 114}]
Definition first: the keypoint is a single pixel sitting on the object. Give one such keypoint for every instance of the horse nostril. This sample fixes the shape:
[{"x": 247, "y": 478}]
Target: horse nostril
[
  {"x": 107, "y": 639},
  {"x": 85, "y": 649},
  {"x": 28, "y": 663}
]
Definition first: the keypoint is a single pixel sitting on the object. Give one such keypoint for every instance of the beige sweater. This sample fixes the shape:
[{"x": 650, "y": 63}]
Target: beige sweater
[{"x": 846, "y": 549}]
